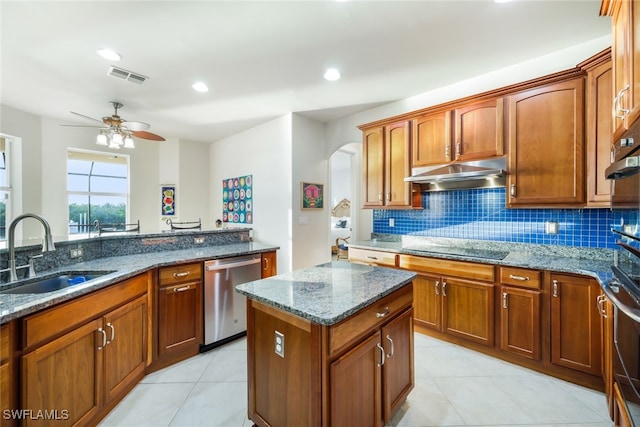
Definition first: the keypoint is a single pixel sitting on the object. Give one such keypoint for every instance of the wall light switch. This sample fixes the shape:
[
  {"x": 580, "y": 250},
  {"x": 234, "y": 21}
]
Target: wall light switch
[
  {"x": 551, "y": 227},
  {"x": 392, "y": 222},
  {"x": 279, "y": 344}
]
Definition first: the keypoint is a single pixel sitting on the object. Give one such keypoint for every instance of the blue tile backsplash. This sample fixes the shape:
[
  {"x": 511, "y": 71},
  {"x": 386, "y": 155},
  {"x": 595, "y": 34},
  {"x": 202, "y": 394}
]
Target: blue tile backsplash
[{"x": 481, "y": 214}]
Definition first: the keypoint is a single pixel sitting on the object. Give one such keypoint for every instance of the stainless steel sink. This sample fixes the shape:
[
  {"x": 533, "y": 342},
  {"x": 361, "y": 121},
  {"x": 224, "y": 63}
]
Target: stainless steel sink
[{"x": 55, "y": 283}]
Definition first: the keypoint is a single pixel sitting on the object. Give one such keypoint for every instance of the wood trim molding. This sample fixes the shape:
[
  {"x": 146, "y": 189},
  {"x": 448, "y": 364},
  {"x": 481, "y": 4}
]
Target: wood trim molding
[{"x": 596, "y": 60}]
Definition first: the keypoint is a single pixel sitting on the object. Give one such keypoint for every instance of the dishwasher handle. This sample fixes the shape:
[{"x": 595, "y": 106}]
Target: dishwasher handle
[{"x": 232, "y": 264}]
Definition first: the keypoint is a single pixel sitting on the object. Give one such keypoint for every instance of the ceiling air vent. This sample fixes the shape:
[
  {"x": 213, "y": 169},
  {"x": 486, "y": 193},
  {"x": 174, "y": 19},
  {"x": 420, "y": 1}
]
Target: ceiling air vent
[{"x": 126, "y": 75}]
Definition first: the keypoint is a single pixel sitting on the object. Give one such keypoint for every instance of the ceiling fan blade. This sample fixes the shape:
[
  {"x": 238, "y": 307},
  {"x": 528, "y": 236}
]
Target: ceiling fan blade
[
  {"x": 148, "y": 135},
  {"x": 86, "y": 117},
  {"x": 87, "y": 126},
  {"x": 135, "y": 126}
]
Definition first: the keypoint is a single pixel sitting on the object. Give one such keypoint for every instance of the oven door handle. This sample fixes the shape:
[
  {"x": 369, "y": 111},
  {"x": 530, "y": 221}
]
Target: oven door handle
[
  {"x": 623, "y": 168},
  {"x": 608, "y": 290}
]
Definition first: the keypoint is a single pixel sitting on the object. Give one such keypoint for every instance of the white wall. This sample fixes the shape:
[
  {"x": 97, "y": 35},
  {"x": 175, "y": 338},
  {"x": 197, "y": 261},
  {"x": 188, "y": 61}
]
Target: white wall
[
  {"x": 310, "y": 226},
  {"x": 264, "y": 152}
]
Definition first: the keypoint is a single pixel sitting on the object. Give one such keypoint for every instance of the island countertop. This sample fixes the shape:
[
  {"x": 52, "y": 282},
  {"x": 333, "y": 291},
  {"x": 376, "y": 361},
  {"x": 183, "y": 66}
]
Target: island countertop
[{"x": 327, "y": 293}]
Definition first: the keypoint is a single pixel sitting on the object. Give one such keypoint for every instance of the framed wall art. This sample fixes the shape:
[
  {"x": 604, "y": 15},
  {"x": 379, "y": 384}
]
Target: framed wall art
[
  {"x": 168, "y": 200},
  {"x": 312, "y": 196},
  {"x": 237, "y": 200}
]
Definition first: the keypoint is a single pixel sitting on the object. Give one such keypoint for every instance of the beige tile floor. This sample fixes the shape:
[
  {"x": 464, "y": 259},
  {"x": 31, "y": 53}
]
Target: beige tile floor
[{"x": 454, "y": 387}]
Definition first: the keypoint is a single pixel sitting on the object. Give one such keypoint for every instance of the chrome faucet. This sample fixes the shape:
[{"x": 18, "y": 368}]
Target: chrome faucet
[{"x": 47, "y": 243}]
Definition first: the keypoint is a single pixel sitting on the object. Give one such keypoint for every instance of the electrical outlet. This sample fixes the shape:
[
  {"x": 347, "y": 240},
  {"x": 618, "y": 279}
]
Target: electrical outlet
[
  {"x": 279, "y": 344},
  {"x": 392, "y": 222},
  {"x": 551, "y": 227},
  {"x": 198, "y": 240},
  {"x": 75, "y": 253}
]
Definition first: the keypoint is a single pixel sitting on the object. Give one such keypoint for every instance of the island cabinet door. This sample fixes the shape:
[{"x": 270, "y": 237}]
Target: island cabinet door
[
  {"x": 397, "y": 370},
  {"x": 467, "y": 310},
  {"x": 356, "y": 385}
]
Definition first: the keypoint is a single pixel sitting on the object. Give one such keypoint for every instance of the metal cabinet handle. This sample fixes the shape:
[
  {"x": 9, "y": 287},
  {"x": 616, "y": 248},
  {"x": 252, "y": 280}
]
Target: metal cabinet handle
[
  {"x": 182, "y": 274},
  {"x": 555, "y": 289},
  {"x": 616, "y": 104},
  {"x": 444, "y": 289},
  {"x": 113, "y": 333},
  {"x": 379, "y": 197},
  {"x": 382, "y": 355},
  {"x": 386, "y": 311},
  {"x": 104, "y": 338},
  {"x": 388, "y": 196},
  {"x": 512, "y": 190},
  {"x": 504, "y": 300},
  {"x": 266, "y": 264},
  {"x": 446, "y": 151},
  {"x": 522, "y": 278},
  {"x": 371, "y": 257},
  {"x": 458, "y": 148},
  {"x": 391, "y": 342},
  {"x": 437, "y": 287},
  {"x": 182, "y": 289},
  {"x": 600, "y": 303}
]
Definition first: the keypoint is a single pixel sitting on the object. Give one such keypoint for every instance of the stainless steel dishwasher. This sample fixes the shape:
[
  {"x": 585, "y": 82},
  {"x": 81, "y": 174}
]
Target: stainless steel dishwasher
[{"x": 225, "y": 309}]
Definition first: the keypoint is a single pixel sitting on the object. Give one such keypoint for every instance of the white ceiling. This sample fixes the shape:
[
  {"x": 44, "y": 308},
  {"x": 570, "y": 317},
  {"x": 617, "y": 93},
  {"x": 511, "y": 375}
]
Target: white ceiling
[{"x": 262, "y": 59}]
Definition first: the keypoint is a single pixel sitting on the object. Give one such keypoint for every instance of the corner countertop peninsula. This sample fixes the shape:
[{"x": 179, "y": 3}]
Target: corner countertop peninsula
[{"x": 329, "y": 345}]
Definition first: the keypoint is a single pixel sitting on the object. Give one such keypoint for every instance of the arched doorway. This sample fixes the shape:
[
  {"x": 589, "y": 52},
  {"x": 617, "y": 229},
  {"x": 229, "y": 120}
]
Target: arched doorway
[{"x": 344, "y": 193}]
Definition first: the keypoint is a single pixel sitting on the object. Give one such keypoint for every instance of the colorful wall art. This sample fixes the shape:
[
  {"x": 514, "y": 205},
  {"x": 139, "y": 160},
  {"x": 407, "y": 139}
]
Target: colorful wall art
[
  {"x": 312, "y": 196},
  {"x": 168, "y": 200},
  {"x": 237, "y": 200}
]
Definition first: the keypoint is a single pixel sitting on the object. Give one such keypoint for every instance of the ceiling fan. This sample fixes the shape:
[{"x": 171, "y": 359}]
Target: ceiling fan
[{"x": 116, "y": 132}]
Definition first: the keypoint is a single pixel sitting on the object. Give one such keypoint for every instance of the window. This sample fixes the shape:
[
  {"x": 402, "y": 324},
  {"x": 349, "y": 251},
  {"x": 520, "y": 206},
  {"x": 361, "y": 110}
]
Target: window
[
  {"x": 97, "y": 188},
  {"x": 5, "y": 186}
]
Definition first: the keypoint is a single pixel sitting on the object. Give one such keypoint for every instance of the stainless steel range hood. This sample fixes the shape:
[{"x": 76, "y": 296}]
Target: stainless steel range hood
[{"x": 476, "y": 174}]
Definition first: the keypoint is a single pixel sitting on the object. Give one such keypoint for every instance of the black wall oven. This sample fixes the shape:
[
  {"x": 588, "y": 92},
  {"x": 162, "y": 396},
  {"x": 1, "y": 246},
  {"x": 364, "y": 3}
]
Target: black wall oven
[{"x": 623, "y": 290}]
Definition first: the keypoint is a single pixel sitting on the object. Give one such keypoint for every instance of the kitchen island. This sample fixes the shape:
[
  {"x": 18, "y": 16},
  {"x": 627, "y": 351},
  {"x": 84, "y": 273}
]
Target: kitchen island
[{"x": 330, "y": 345}]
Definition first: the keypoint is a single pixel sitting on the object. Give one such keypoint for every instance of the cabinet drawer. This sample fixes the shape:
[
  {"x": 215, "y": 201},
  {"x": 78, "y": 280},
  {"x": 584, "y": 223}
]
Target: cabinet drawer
[
  {"x": 180, "y": 274},
  {"x": 4, "y": 343},
  {"x": 366, "y": 256},
  {"x": 445, "y": 267},
  {"x": 342, "y": 335},
  {"x": 55, "y": 321},
  {"x": 520, "y": 277}
]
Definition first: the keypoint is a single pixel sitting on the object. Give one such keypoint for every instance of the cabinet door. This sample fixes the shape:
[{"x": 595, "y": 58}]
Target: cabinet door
[
  {"x": 431, "y": 143},
  {"x": 478, "y": 131},
  {"x": 398, "y": 375},
  {"x": 356, "y": 387},
  {"x": 468, "y": 310},
  {"x": 269, "y": 264},
  {"x": 126, "y": 351},
  {"x": 427, "y": 302},
  {"x": 546, "y": 145},
  {"x": 373, "y": 167},
  {"x": 575, "y": 323},
  {"x": 606, "y": 311},
  {"x": 599, "y": 133},
  {"x": 65, "y": 375},
  {"x": 179, "y": 317},
  {"x": 520, "y": 322},
  {"x": 397, "y": 164}
]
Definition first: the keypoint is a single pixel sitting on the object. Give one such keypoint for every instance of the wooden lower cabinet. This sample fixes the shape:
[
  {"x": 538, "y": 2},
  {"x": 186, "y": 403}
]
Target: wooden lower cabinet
[
  {"x": 458, "y": 307},
  {"x": 179, "y": 318},
  {"x": 355, "y": 373},
  {"x": 520, "y": 322},
  {"x": 576, "y": 336},
  {"x": 79, "y": 376},
  {"x": 269, "y": 264}
]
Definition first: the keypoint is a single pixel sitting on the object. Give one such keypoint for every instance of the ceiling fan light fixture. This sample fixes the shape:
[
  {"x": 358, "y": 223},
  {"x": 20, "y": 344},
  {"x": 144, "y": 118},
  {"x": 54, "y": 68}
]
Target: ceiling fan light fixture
[
  {"x": 332, "y": 74},
  {"x": 128, "y": 142},
  {"x": 116, "y": 138},
  {"x": 109, "y": 54},
  {"x": 101, "y": 139}
]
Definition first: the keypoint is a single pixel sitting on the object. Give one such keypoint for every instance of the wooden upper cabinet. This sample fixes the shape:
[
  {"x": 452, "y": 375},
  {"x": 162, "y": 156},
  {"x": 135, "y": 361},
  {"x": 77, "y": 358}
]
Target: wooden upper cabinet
[
  {"x": 431, "y": 143},
  {"x": 373, "y": 167},
  {"x": 478, "y": 131},
  {"x": 546, "y": 145},
  {"x": 598, "y": 128},
  {"x": 386, "y": 163},
  {"x": 626, "y": 62}
]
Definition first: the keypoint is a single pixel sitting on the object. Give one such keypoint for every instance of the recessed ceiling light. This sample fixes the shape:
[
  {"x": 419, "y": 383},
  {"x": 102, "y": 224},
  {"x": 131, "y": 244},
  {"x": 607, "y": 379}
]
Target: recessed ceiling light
[
  {"x": 501, "y": 1},
  {"x": 332, "y": 74},
  {"x": 200, "y": 87},
  {"x": 109, "y": 54}
]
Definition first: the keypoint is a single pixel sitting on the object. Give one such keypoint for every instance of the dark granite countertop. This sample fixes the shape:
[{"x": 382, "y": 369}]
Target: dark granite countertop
[
  {"x": 327, "y": 293},
  {"x": 584, "y": 261},
  {"x": 13, "y": 306}
]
